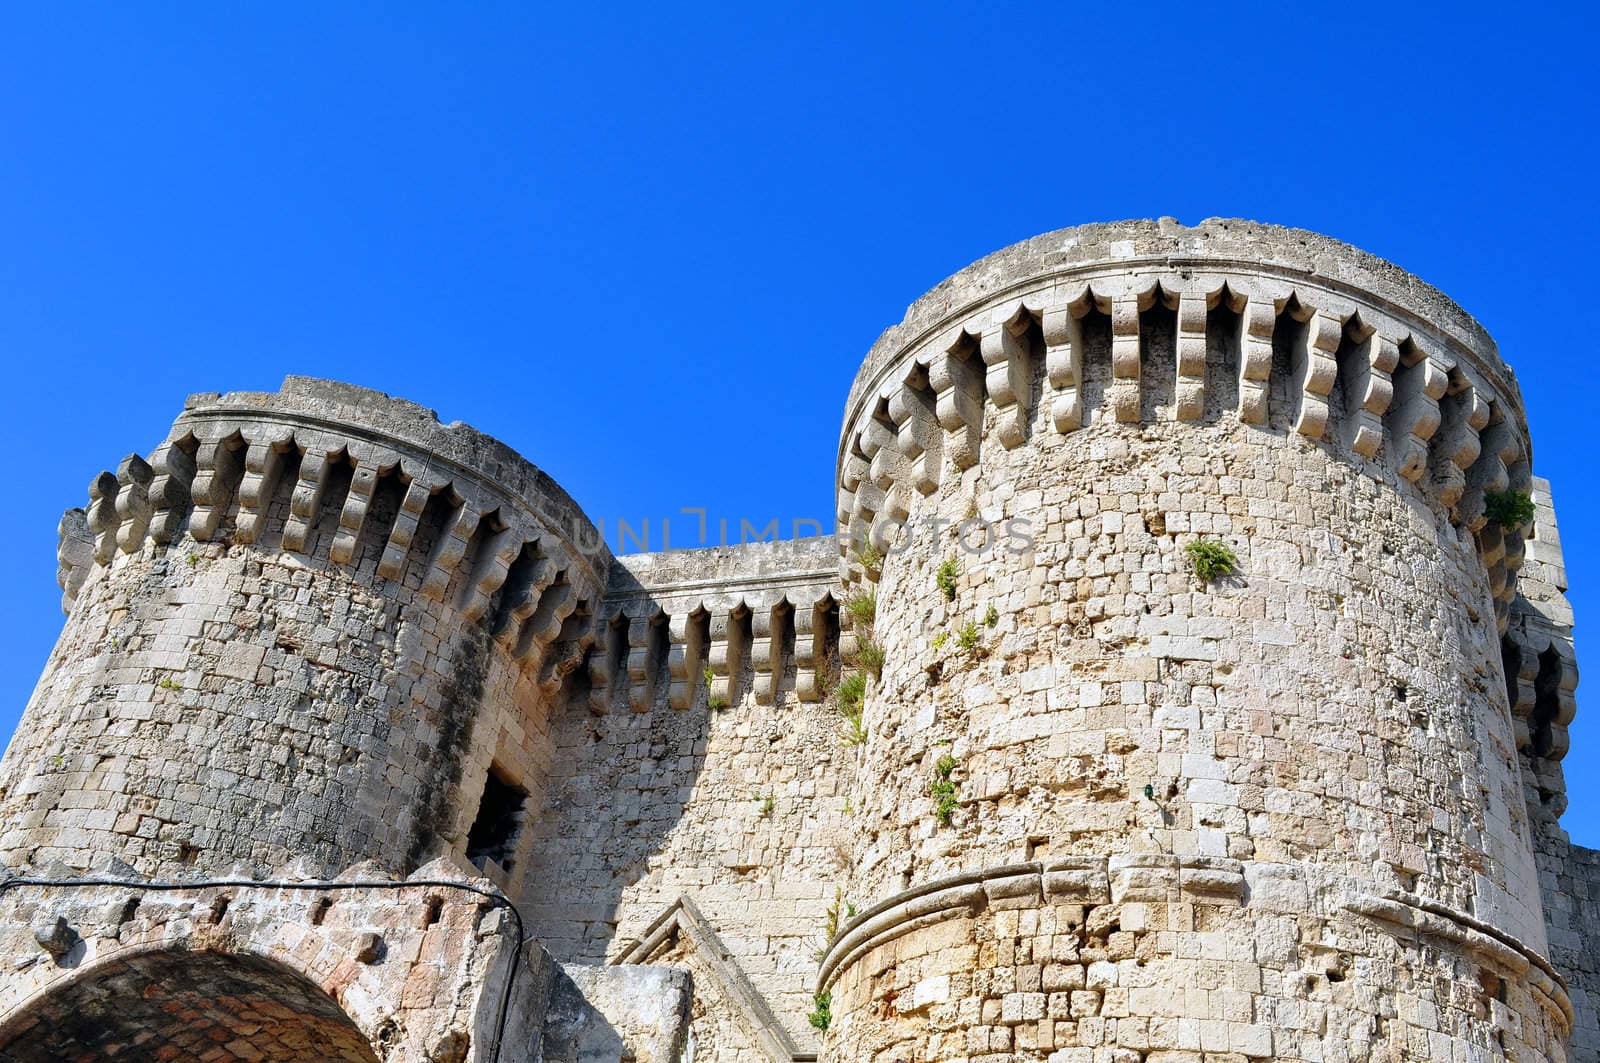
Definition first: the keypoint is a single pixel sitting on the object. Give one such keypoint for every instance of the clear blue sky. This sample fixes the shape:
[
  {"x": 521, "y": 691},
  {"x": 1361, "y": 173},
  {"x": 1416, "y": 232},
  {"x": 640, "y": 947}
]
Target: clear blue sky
[{"x": 648, "y": 247}]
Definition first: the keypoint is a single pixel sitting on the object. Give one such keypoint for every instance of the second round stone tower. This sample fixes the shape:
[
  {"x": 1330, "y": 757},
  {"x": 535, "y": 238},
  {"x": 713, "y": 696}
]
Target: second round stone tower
[{"x": 1107, "y": 807}]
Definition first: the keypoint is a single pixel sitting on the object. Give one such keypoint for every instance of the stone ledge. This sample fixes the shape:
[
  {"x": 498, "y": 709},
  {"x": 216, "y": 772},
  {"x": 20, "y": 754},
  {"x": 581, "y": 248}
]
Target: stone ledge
[
  {"x": 1083, "y": 880},
  {"x": 1406, "y": 911}
]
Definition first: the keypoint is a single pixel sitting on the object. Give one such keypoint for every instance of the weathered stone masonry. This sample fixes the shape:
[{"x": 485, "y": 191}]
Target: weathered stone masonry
[{"x": 341, "y": 685}]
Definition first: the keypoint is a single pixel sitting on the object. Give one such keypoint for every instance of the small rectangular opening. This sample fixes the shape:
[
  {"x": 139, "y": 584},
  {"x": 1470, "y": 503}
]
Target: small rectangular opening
[{"x": 493, "y": 836}]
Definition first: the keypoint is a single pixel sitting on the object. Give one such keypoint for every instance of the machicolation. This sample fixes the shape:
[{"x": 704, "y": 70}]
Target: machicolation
[{"x": 1186, "y": 681}]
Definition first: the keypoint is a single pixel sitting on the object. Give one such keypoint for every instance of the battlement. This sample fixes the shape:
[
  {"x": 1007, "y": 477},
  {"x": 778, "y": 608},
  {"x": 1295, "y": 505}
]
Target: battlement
[
  {"x": 689, "y": 620},
  {"x": 1150, "y": 323},
  {"x": 363, "y": 482}
]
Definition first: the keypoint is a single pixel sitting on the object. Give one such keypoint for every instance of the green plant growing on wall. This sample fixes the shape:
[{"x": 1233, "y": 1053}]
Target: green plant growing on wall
[
  {"x": 943, "y": 790},
  {"x": 167, "y": 683},
  {"x": 852, "y": 693},
  {"x": 863, "y": 608},
  {"x": 713, "y": 700},
  {"x": 946, "y": 578},
  {"x": 991, "y": 616},
  {"x": 767, "y": 805},
  {"x": 870, "y": 556},
  {"x": 869, "y": 655},
  {"x": 831, "y": 921},
  {"x": 1508, "y": 509},
  {"x": 940, "y": 639},
  {"x": 968, "y": 637},
  {"x": 1211, "y": 558},
  {"x": 850, "y": 702},
  {"x": 822, "y": 1016},
  {"x": 837, "y": 912}
]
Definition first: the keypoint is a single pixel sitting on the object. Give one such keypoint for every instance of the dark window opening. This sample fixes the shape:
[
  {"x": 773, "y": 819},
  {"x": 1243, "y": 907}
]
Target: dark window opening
[
  {"x": 433, "y": 912},
  {"x": 494, "y": 832}
]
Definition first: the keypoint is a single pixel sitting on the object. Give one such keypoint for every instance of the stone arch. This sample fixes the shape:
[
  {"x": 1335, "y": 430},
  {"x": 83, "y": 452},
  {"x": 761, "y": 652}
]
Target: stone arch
[{"x": 158, "y": 1004}]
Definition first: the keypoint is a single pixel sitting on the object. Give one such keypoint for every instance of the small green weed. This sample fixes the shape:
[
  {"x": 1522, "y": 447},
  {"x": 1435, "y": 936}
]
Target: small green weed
[
  {"x": 715, "y": 701},
  {"x": 968, "y": 637},
  {"x": 991, "y": 616},
  {"x": 831, "y": 929},
  {"x": 1508, "y": 509},
  {"x": 822, "y": 1016},
  {"x": 1211, "y": 558},
  {"x": 946, "y": 578},
  {"x": 863, "y": 608},
  {"x": 943, "y": 790},
  {"x": 852, "y": 692},
  {"x": 869, "y": 655}
]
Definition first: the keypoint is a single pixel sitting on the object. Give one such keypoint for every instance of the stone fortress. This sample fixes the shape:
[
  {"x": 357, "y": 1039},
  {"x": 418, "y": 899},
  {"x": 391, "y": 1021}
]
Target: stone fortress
[{"x": 359, "y": 743}]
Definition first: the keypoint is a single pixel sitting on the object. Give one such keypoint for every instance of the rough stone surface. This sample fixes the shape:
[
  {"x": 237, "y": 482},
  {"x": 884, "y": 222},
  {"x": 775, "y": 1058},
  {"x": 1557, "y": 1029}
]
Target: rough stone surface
[
  {"x": 602, "y": 1013},
  {"x": 989, "y": 774}
]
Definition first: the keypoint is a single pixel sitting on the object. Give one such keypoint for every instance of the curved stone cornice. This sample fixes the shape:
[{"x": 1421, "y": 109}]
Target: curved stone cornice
[
  {"x": 1086, "y": 880},
  {"x": 1407, "y": 914},
  {"x": 1160, "y": 878}
]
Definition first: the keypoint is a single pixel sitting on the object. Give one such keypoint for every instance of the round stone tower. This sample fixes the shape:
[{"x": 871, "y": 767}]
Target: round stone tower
[
  {"x": 1108, "y": 808},
  {"x": 316, "y": 626}
]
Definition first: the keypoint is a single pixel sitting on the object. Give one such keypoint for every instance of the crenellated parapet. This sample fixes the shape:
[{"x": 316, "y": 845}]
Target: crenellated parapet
[
  {"x": 696, "y": 628},
  {"x": 1141, "y": 323},
  {"x": 1540, "y": 660},
  {"x": 364, "y": 483}
]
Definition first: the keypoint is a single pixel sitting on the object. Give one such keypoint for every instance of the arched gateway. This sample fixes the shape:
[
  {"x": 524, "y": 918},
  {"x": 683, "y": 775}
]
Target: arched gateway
[{"x": 172, "y": 1004}]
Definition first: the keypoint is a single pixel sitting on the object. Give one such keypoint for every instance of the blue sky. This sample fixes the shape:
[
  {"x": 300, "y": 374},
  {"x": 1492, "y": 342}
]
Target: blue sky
[{"x": 648, "y": 247}]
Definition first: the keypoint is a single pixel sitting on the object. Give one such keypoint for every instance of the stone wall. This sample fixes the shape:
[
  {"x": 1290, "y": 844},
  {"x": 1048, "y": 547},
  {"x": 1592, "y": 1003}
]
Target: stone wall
[
  {"x": 739, "y": 807},
  {"x": 1572, "y": 906}
]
